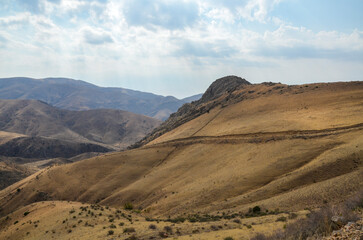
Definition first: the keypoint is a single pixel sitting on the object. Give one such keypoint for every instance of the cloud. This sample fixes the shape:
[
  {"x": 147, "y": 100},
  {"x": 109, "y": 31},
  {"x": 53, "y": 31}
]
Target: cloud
[
  {"x": 218, "y": 49},
  {"x": 297, "y": 42},
  {"x": 171, "y": 14},
  {"x": 15, "y": 21},
  {"x": 251, "y": 10},
  {"x": 310, "y": 52},
  {"x": 3, "y": 41},
  {"x": 96, "y": 37}
]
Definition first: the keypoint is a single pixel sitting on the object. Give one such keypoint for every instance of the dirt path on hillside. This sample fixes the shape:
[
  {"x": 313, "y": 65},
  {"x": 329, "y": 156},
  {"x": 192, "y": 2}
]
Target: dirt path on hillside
[{"x": 260, "y": 137}]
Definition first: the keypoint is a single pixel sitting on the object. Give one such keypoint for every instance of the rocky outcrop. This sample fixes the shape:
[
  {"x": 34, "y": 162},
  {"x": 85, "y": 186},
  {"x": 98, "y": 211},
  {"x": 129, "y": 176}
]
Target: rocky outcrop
[
  {"x": 352, "y": 230},
  {"x": 221, "y": 86},
  {"x": 210, "y": 99}
]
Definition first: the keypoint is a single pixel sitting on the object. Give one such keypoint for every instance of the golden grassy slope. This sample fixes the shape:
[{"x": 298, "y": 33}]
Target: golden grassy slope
[
  {"x": 287, "y": 148},
  {"x": 74, "y": 220},
  {"x": 7, "y": 136}
]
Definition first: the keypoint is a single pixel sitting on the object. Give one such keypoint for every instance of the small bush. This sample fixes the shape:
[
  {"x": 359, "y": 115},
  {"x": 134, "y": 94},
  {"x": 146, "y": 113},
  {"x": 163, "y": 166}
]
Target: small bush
[
  {"x": 110, "y": 232},
  {"x": 26, "y": 213},
  {"x": 129, "y": 230},
  {"x": 237, "y": 221},
  {"x": 163, "y": 234},
  {"x": 292, "y": 215},
  {"x": 168, "y": 229},
  {"x": 256, "y": 209},
  {"x": 228, "y": 238},
  {"x": 281, "y": 219},
  {"x": 152, "y": 226},
  {"x": 128, "y": 206}
]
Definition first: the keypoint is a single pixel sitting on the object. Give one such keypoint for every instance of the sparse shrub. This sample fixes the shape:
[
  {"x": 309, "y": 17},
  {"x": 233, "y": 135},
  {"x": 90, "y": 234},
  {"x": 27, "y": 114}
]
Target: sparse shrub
[
  {"x": 69, "y": 230},
  {"x": 152, "y": 226},
  {"x": 214, "y": 228},
  {"x": 72, "y": 211},
  {"x": 129, "y": 230},
  {"x": 163, "y": 234},
  {"x": 260, "y": 236},
  {"x": 16, "y": 222},
  {"x": 228, "y": 238},
  {"x": 281, "y": 219},
  {"x": 133, "y": 237},
  {"x": 256, "y": 209},
  {"x": 168, "y": 229},
  {"x": 112, "y": 226},
  {"x": 237, "y": 221},
  {"x": 128, "y": 206},
  {"x": 248, "y": 226},
  {"x": 292, "y": 215},
  {"x": 121, "y": 224},
  {"x": 26, "y": 213},
  {"x": 110, "y": 232}
]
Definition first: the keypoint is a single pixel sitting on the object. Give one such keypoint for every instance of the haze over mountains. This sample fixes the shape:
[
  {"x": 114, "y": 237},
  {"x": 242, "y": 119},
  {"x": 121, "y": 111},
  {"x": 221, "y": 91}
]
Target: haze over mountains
[
  {"x": 79, "y": 95},
  {"x": 282, "y": 148}
]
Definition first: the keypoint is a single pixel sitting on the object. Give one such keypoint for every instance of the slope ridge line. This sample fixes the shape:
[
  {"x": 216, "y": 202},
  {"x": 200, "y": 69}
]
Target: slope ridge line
[{"x": 261, "y": 136}]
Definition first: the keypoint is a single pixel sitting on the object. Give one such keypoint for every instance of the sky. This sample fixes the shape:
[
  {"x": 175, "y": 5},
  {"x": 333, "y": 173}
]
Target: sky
[{"x": 179, "y": 47}]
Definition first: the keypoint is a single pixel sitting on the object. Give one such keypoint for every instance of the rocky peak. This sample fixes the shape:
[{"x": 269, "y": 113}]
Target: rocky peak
[{"x": 223, "y": 85}]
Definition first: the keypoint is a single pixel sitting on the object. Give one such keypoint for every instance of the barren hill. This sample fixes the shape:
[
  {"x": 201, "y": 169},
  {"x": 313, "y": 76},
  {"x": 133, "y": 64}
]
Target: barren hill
[
  {"x": 107, "y": 127},
  {"x": 268, "y": 145},
  {"x": 79, "y": 95}
]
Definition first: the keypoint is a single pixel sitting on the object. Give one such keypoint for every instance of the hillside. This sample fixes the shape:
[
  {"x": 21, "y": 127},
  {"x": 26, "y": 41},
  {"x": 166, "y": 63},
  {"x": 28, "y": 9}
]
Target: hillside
[
  {"x": 107, "y": 127},
  {"x": 269, "y": 145},
  {"x": 79, "y": 95}
]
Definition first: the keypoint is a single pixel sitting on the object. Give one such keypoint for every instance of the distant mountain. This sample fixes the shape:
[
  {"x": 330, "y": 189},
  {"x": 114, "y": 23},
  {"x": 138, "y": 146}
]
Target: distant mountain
[
  {"x": 109, "y": 128},
  {"x": 193, "y": 98},
  {"x": 79, "y": 95}
]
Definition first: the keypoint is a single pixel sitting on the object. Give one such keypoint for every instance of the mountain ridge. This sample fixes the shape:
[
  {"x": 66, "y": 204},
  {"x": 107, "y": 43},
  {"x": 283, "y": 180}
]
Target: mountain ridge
[
  {"x": 107, "y": 127},
  {"x": 80, "y": 95}
]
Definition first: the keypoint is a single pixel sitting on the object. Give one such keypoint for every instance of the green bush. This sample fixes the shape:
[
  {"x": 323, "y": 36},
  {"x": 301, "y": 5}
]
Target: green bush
[
  {"x": 128, "y": 206},
  {"x": 256, "y": 209}
]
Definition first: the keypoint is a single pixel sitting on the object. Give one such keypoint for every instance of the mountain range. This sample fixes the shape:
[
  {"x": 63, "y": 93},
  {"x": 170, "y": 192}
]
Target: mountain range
[{"x": 79, "y": 95}]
